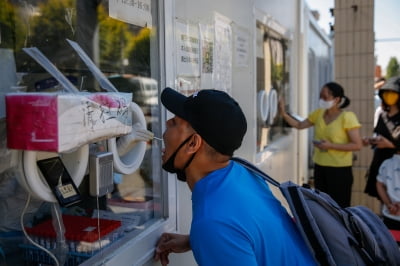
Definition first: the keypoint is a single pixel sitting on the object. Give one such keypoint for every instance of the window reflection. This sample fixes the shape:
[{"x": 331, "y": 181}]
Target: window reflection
[
  {"x": 272, "y": 82},
  {"x": 127, "y": 54}
]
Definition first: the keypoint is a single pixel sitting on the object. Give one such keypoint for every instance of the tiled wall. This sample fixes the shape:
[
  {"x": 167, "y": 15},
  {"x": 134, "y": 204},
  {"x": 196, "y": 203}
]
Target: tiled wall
[{"x": 354, "y": 69}]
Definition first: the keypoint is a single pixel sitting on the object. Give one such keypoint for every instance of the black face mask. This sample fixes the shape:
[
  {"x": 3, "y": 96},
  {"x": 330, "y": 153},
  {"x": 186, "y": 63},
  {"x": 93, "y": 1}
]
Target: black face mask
[{"x": 169, "y": 164}]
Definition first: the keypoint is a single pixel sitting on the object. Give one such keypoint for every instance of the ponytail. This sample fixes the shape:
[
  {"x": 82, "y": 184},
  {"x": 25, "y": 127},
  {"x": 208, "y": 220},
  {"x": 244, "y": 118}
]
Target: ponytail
[{"x": 345, "y": 102}]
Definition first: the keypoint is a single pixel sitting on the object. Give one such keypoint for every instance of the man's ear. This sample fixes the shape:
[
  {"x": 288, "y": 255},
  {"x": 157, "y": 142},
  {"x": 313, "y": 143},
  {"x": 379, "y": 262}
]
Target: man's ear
[{"x": 194, "y": 143}]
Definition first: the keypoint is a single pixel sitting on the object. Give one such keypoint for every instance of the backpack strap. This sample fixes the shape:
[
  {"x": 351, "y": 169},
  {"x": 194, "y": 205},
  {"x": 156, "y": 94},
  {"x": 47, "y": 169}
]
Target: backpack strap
[
  {"x": 318, "y": 250},
  {"x": 394, "y": 131},
  {"x": 364, "y": 254},
  {"x": 249, "y": 166}
]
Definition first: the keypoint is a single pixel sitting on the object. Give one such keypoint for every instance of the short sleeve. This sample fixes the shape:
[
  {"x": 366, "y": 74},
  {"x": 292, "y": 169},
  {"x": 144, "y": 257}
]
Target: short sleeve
[
  {"x": 381, "y": 177},
  {"x": 350, "y": 121},
  {"x": 314, "y": 115}
]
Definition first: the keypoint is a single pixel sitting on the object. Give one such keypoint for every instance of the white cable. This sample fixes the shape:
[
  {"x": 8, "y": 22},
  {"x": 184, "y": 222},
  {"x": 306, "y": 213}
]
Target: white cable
[
  {"x": 58, "y": 218},
  {"x": 62, "y": 248},
  {"x": 28, "y": 237}
]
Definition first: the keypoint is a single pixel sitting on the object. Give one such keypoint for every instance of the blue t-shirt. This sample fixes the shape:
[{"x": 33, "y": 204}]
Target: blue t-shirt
[{"x": 238, "y": 221}]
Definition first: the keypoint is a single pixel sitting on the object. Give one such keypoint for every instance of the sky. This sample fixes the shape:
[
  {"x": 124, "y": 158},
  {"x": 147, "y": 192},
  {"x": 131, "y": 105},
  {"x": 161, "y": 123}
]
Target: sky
[{"x": 386, "y": 26}]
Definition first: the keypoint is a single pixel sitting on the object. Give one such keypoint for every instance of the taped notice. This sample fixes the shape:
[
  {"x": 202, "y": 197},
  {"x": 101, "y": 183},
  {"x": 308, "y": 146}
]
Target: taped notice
[
  {"x": 136, "y": 12},
  {"x": 222, "y": 74},
  {"x": 188, "y": 49},
  {"x": 241, "y": 48}
]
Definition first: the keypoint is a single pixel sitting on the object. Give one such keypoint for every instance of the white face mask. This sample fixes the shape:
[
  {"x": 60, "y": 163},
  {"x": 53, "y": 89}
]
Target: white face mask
[{"x": 325, "y": 104}]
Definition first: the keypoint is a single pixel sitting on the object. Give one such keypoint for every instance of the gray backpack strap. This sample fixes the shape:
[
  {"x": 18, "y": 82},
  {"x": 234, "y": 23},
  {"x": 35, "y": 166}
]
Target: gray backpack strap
[{"x": 294, "y": 196}]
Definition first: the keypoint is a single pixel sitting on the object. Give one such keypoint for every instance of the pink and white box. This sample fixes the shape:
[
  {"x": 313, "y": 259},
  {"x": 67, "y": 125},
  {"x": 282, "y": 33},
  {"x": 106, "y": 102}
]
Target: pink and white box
[{"x": 63, "y": 122}]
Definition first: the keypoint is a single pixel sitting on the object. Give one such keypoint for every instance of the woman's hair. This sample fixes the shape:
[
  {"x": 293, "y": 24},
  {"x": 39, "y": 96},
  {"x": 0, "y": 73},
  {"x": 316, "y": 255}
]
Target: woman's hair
[{"x": 337, "y": 91}]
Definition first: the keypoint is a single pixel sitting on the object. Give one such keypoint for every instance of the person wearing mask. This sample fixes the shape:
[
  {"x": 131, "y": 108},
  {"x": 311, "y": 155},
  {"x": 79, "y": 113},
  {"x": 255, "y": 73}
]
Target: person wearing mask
[
  {"x": 386, "y": 136},
  {"x": 337, "y": 135},
  {"x": 236, "y": 219}
]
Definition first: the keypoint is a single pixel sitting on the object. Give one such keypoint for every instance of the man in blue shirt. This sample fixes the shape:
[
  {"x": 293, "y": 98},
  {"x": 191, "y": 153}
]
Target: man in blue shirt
[{"x": 236, "y": 219}]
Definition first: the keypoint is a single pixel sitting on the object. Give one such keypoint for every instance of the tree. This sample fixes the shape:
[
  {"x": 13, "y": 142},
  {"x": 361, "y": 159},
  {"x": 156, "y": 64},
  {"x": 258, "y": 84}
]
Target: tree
[
  {"x": 8, "y": 25},
  {"x": 392, "y": 68},
  {"x": 46, "y": 27},
  {"x": 114, "y": 36},
  {"x": 51, "y": 28},
  {"x": 139, "y": 52}
]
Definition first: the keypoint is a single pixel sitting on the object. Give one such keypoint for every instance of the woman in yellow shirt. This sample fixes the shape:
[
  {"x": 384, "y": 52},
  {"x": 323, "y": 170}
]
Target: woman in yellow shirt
[{"x": 337, "y": 135}]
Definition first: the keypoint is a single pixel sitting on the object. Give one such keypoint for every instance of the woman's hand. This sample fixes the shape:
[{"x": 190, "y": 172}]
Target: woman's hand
[
  {"x": 381, "y": 142},
  {"x": 366, "y": 141},
  {"x": 323, "y": 145}
]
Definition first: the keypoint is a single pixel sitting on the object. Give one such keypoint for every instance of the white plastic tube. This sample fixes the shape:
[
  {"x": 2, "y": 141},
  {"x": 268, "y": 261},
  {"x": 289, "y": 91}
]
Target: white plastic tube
[
  {"x": 273, "y": 105},
  {"x": 128, "y": 159},
  {"x": 263, "y": 105}
]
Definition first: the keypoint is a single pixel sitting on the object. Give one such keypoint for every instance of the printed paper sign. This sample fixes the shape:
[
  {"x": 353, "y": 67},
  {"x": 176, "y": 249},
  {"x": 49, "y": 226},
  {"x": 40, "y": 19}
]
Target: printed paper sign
[
  {"x": 223, "y": 54},
  {"x": 241, "y": 48},
  {"x": 207, "y": 55},
  {"x": 207, "y": 48},
  {"x": 136, "y": 12},
  {"x": 188, "y": 49}
]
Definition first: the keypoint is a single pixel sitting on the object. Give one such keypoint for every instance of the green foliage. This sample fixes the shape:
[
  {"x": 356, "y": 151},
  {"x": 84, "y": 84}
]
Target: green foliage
[
  {"x": 123, "y": 48},
  {"x": 46, "y": 26},
  {"x": 277, "y": 72},
  {"x": 51, "y": 27},
  {"x": 392, "y": 68},
  {"x": 7, "y": 25},
  {"x": 138, "y": 52},
  {"x": 114, "y": 36},
  {"x": 119, "y": 43}
]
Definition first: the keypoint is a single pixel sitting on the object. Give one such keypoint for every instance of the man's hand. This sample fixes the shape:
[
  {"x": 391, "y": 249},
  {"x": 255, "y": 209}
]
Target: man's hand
[{"x": 171, "y": 243}]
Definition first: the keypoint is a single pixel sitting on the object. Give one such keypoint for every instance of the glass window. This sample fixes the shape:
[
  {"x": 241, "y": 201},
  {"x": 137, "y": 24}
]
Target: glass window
[
  {"x": 272, "y": 82},
  {"x": 128, "y": 55}
]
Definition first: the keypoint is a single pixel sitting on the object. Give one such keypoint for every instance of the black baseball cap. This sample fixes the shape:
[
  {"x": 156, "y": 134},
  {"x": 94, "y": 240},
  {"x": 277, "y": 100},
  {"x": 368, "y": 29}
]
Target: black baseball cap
[
  {"x": 215, "y": 116},
  {"x": 393, "y": 84}
]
